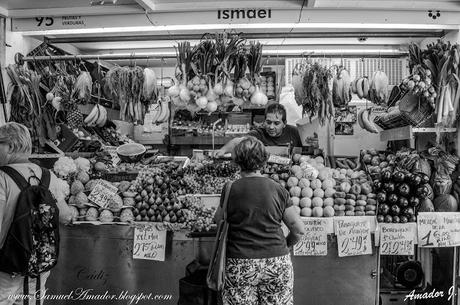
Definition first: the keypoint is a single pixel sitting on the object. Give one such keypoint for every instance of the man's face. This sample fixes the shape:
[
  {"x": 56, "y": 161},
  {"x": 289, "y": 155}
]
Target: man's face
[{"x": 274, "y": 124}]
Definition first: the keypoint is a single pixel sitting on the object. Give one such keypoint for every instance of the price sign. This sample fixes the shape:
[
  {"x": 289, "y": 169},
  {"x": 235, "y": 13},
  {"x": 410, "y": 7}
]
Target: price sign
[
  {"x": 353, "y": 236},
  {"x": 149, "y": 242},
  {"x": 438, "y": 229},
  {"x": 397, "y": 238},
  {"x": 314, "y": 242},
  {"x": 112, "y": 150},
  {"x": 102, "y": 193}
]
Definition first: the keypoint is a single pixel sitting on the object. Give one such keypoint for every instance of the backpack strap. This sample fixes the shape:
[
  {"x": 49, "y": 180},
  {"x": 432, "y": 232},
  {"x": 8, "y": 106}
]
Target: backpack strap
[
  {"x": 20, "y": 181},
  {"x": 46, "y": 177},
  {"x": 25, "y": 290}
]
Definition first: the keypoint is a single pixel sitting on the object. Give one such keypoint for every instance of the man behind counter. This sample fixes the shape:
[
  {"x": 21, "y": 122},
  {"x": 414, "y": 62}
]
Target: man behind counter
[{"x": 275, "y": 131}]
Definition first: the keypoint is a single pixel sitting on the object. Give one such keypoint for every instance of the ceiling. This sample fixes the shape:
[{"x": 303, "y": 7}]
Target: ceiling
[{"x": 320, "y": 26}]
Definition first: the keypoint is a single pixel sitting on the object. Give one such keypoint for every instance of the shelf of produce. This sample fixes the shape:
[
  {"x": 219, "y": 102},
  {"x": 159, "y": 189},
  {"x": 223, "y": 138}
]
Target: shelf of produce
[
  {"x": 408, "y": 132},
  {"x": 201, "y": 140}
]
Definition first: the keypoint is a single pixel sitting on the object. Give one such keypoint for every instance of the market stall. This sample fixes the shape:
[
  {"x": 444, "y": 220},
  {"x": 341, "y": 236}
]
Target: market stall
[{"x": 132, "y": 136}]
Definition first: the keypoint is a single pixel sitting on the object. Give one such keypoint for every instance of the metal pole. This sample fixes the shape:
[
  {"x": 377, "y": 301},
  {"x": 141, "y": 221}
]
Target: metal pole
[{"x": 93, "y": 57}]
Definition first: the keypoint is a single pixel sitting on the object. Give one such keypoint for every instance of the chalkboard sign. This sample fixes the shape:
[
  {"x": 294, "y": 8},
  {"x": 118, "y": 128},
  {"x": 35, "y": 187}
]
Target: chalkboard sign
[
  {"x": 397, "y": 238},
  {"x": 149, "y": 242},
  {"x": 438, "y": 229},
  {"x": 314, "y": 242},
  {"x": 353, "y": 236}
]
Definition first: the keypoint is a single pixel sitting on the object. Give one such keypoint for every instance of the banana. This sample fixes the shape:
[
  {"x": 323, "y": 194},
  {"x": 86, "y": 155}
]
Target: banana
[
  {"x": 91, "y": 116},
  {"x": 164, "y": 116},
  {"x": 102, "y": 117},
  {"x": 366, "y": 87},
  {"x": 360, "y": 118},
  {"x": 354, "y": 88},
  {"x": 368, "y": 125},
  {"x": 359, "y": 88},
  {"x": 156, "y": 114}
]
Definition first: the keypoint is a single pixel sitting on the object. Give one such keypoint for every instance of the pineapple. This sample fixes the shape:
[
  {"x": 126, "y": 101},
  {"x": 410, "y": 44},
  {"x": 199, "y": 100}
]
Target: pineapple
[{"x": 74, "y": 117}]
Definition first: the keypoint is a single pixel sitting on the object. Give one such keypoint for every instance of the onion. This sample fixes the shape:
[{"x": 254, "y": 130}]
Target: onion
[
  {"x": 202, "y": 102},
  {"x": 228, "y": 91},
  {"x": 184, "y": 93},
  {"x": 219, "y": 88},
  {"x": 211, "y": 106},
  {"x": 238, "y": 101},
  {"x": 258, "y": 98},
  {"x": 211, "y": 95},
  {"x": 174, "y": 91},
  {"x": 225, "y": 99},
  {"x": 56, "y": 102},
  {"x": 49, "y": 96}
]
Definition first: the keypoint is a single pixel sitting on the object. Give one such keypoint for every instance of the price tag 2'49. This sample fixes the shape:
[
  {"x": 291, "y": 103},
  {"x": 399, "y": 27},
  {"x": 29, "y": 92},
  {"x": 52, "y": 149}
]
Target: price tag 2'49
[
  {"x": 353, "y": 237},
  {"x": 102, "y": 193}
]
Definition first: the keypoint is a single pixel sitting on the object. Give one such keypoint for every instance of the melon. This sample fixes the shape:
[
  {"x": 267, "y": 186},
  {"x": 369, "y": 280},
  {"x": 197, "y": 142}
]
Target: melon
[
  {"x": 317, "y": 202},
  {"x": 317, "y": 212},
  {"x": 328, "y": 202},
  {"x": 295, "y": 169},
  {"x": 318, "y": 193},
  {"x": 292, "y": 181},
  {"x": 306, "y": 212},
  {"x": 329, "y": 193},
  {"x": 328, "y": 211},
  {"x": 303, "y": 183},
  {"x": 305, "y": 202},
  {"x": 307, "y": 192},
  {"x": 295, "y": 200},
  {"x": 328, "y": 183},
  {"x": 315, "y": 184},
  {"x": 295, "y": 191},
  {"x": 297, "y": 209},
  {"x": 319, "y": 159},
  {"x": 445, "y": 203}
]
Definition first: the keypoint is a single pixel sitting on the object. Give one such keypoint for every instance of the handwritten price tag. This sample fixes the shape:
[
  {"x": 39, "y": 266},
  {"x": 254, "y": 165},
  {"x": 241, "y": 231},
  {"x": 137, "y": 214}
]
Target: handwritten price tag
[
  {"x": 102, "y": 193},
  {"x": 149, "y": 243},
  {"x": 397, "y": 238},
  {"x": 353, "y": 236},
  {"x": 438, "y": 229},
  {"x": 314, "y": 242},
  {"x": 112, "y": 150}
]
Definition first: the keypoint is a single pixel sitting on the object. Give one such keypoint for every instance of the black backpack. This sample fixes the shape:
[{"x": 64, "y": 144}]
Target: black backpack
[{"x": 32, "y": 243}]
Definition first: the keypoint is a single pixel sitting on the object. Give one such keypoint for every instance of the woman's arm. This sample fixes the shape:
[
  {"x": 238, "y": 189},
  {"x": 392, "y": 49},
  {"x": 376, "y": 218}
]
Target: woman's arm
[{"x": 295, "y": 225}]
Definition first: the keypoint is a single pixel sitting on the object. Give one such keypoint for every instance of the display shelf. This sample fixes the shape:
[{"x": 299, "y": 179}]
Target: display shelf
[
  {"x": 408, "y": 132},
  {"x": 200, "y": 140}
]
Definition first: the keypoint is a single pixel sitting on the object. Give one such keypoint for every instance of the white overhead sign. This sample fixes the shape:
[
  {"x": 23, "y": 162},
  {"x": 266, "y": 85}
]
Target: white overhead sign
[{"x": 317, "y": 18}]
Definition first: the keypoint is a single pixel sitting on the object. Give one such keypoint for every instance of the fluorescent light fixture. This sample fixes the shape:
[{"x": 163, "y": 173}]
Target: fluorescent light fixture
[
  {"x": 227, "y": 26},
  {"x": 293, "y": 52}
]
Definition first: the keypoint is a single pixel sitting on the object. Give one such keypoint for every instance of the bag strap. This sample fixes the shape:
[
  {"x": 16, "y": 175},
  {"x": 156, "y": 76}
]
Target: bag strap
[
  {"x": 25, "y": 290},
  {"x": 46, "y": 177},
  {"x": 228, "y": 186},
  {"x": 38, "y": 288},
  {"x": 20, "y": 181}
]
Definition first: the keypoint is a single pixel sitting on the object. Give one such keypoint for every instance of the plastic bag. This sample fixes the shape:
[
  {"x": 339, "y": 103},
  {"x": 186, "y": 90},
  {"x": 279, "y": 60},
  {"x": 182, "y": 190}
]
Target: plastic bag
[{"x": 287, "y": 99}]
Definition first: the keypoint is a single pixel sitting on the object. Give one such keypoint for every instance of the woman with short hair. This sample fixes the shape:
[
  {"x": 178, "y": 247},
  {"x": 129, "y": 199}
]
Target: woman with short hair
[
  {"x": 15, "y": 151},
  {"x": 258, "y": 267}
]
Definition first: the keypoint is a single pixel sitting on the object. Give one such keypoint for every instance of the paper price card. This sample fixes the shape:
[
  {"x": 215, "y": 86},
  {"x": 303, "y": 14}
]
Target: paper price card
[
  {"x": 102, "y": 193},
  {"x": 112, "y": 150},
  {"x": 438, "y": 229},
  {"x": 353, "y": 236},
  {"x": 149, "y": 242},
  {"x": 314, "y": 242},
  {"x": 397, "y": 238}
]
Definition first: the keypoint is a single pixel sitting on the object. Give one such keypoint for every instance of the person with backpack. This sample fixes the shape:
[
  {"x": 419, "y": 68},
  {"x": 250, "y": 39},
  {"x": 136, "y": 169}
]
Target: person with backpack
[{"x": 29, "y": 219}]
